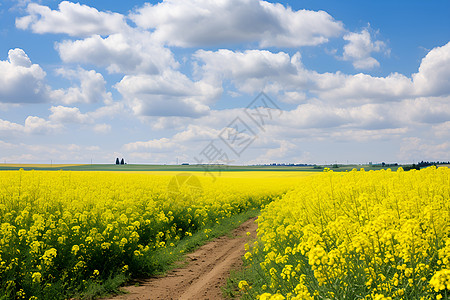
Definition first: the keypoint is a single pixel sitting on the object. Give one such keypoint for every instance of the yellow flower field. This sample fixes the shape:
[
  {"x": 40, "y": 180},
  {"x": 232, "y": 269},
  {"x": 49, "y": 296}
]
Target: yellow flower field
[
  {"x": 355, "y": 235},
  {"x": 347, "y": 235},
  {"x": 60, "y": 230}
]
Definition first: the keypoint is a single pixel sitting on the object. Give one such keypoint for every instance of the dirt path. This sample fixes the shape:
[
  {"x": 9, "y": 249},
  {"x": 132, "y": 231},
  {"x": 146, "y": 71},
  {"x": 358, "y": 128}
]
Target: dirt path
[{"x": 206, "y": 272}]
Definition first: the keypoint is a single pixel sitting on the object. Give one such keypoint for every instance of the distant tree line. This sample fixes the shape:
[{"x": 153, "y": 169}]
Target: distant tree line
[
  {"x": 432, "y": 163},
  {"x": 424, "y": 164},
  {"x": 121, "y": 162}
]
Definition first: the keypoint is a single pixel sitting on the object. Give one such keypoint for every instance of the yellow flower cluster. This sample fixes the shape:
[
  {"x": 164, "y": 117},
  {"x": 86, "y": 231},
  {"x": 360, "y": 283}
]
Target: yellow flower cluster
[
  {"x": 357, "y": 235},
  {"x": 441, "y": 282},
  {"x": 63, "y": 228}
]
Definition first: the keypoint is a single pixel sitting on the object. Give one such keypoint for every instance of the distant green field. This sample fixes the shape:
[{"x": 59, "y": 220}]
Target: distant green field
[
  {"x": 140, "y": 168},
  {"x": 180, "y": 168}
]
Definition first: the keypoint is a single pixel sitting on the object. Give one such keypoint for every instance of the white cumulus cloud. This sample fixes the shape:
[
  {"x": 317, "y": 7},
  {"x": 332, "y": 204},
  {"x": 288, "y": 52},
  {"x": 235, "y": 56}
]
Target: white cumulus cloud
[
  {"x": 131, "y": 52},
  {"x": 205, "y": 23},
  {"x": 415, "y": 147},
  {"x": 359, "y": 49},
  {"x": 169, "y": 94},
  {"x": 433, "y": 77},
  {"x": 279, "y": 73},
  {"x": 73, "y": 19},
  {"x": 32, "y": 125},
  {"x": 21, "y": 81},
  {"x": 63, "y": 114},
  {"x": 250, "y": 70},
  {"x": 91, "y": 89}
]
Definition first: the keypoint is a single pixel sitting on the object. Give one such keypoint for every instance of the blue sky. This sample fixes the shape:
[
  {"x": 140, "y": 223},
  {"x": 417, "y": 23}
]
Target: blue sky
[{"x": 161, "y": 82}]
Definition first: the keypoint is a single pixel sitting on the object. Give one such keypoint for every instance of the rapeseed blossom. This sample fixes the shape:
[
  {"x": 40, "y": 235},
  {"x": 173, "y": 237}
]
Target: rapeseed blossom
[
  {"x": 62, "y": 228},
  {"x": 356, "y": 235}
]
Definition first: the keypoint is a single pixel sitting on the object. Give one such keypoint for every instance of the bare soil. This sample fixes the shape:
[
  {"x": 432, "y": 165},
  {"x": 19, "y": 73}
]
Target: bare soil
[{"x": 203, "y": 276}]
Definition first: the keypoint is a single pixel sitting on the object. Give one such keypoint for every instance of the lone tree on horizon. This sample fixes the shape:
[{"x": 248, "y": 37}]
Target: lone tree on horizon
[
  {"x": 122, "y": 162},
  {"x": 117, "y": 160}
]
